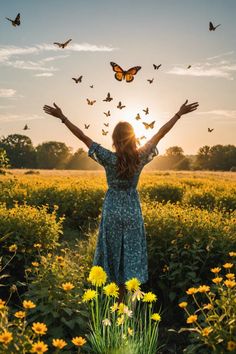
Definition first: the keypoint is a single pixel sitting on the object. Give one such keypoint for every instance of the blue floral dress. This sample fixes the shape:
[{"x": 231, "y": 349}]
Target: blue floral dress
[{"x": 121, "y": 246}]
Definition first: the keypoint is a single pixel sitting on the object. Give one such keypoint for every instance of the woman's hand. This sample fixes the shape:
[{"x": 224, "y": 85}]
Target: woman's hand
[
  {"x": 187, "y": 108},
  {"x": 54, "y": 111}
]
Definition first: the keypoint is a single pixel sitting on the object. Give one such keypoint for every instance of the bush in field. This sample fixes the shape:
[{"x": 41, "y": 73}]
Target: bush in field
[
  {"x": 27, "y": 226},
  {"x": 182, "y": 244},
  {"x": 163, "y": 192}
]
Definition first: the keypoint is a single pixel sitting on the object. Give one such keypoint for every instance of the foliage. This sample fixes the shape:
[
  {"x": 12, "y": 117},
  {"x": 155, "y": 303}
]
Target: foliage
[
  {"x": 4, "y": 160},
  {"x": 53, "y": 154},
  {"x": 217, "y": 157}
]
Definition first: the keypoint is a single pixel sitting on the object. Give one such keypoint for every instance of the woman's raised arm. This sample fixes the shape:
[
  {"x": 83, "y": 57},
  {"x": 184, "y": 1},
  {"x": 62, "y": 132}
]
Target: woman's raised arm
[
  {"x": 57, "y": 112},
  {"x": 184, "y": 109}
]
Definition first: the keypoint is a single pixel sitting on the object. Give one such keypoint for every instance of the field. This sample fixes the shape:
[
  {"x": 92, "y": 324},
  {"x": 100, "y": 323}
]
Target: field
[{"x": 48, "y": 228}]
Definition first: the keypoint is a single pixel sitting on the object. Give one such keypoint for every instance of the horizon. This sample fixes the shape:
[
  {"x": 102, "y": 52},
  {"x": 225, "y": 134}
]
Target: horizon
[{"x": 35, "y": 72}]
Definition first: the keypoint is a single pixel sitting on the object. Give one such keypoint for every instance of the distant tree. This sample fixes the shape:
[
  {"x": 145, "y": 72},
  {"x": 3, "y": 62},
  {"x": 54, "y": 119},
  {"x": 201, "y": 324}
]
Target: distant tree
[
  {"x": 20, "y": 150},
  {"x": 80, "y": 161},
  {"x": 4, "y": 160},
  {"x": 202, "y": 158},
  {"x": 222, "y": 157},
  {"x": 175, "y": 151},
  {"x": 53, "y": 154},
  {"x": 183, "y": 164}
]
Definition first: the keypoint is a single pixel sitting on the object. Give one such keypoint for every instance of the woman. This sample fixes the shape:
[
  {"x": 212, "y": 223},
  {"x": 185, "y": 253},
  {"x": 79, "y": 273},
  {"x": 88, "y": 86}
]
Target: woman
[{"x": 121, "y": 247}]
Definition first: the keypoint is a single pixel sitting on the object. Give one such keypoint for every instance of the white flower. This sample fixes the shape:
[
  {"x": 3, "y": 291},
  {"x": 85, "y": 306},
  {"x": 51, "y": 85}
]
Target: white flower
[{"x": 106, "y": 322}]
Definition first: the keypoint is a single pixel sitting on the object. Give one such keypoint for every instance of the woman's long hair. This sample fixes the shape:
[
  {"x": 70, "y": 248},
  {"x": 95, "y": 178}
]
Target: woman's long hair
[{"x": 125, "y": 144}]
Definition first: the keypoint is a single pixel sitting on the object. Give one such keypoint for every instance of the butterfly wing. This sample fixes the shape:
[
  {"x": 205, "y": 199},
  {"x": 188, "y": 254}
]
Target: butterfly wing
[
  {"x": 89, "y": 102},
  {"x": 146, "y": 125},
  {"x": 17, "y": 20},
  {"x": 80, "y": 78},
  {"x": 129, "y": 74},
  {"x": 119, "y": 72},
  {"x": 151, "y": 125},
  {"x": 57, "y": 43},
  {"x": 67, "y": 42},
  {"x": 211, "y": 27}
]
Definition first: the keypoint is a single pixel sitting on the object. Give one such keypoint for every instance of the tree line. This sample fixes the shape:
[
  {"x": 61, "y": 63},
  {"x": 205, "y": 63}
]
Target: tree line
[{"x": 17, "y": 151}]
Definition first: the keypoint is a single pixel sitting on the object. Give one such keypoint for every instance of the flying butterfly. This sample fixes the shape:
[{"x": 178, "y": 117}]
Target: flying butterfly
[
  {"x": 86, "y": 126},
  {"x": 121, "y": 74},
  {"x": 146, "y": 111},
  {"x": 107, "y": 114},
  {"x": 149, "y": 125},
  {"x": 212, "y": 27},
  {"x": 106, "y": 124},
  {"x": 120, "y": 106},
  {"x": 143, "y": 137},
  {"x": 138, "y": 117},
  {"x": 150, "y": 80},
  {"x": 156, "y": 67},
  {"x": 210, "y": 130},
  {"x": 91, "y": 86},
  {"x": 189, "y": 66},
  {"x": 90, "y": 102},
  {"x": 26, "y": 127},
  {"x": 104, "y": 132},
  {"x": 108, "y": 98},
  {"x": 63, "y": 45},
  {"x": 15, "y": 22},
  {"x": 77, "y": 80}
]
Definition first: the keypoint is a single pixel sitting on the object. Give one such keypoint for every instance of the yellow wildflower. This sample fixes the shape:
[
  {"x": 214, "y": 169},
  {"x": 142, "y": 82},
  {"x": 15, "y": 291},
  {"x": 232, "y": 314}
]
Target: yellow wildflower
[
  {"x": 215, "y": 270},
  {"x": 156, "y": 317},
  {"x": 97, "y": 276},
  {"x": 208, "y": 307},
  {"x": 132, "y": 284},
  {"x": 6, "y": 337},
  {"x": 121, "y": 308},
  {"x": 89, "y": 295},
  {"x": 120, "y": 320},
  {"x": 2, "y": 304},
  {"x": 192, "y": 318},
  {"x": 149, "y": 297},
  {"x": 230, "y": 276},
  {"x": 228, "y": 265},
  {"x": 203, "y": 288},
  {"x": 183, "y": 304},
  {"x": 232, "y": 254},
  {"x": 217, "y": 280},
  {"x": 13, "y": 248},
  {"x": 39, "y": 328},
  {"x": 39, "y": 347},
  {"x": 78, "y": 341},
  {"x": 20, "y": 314},
  {"x": 231, "y": 345},
  {"x": 35, "y": 264},
  {"x": 206, "y": 331},
  {"x": 59, "y": 343},
  {"x": 230, "y": 283},
  {"x": 130, "y": 331},
  {"x": 28, "y": 304},
  {"x": 67, "y": 286},
  {"x": 111, "y": 290},
  {"x": 192, "y": 291},
  {"x": 138, "y": 294},
  {"x": 114, "y": 307},
  {"x": 37, "y": 245}
]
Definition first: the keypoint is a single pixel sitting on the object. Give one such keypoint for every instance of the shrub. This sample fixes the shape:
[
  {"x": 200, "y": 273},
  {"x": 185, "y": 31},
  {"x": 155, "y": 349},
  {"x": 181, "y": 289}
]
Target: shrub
[{"x": 163, "y": 192}]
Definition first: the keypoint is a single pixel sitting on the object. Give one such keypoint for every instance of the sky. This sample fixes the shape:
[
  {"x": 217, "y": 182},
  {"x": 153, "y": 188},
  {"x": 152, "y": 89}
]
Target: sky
[{"x": 174, "y": 33}]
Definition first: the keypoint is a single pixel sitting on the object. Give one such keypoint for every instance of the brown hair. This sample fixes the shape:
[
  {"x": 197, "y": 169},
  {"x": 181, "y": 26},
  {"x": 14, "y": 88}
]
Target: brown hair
[{"x": 125, "y": 144}]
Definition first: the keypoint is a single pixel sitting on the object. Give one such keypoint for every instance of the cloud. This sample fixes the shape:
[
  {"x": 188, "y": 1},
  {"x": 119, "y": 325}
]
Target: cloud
[
  {"x": 30, "y": 65},
  {"x": 7, "y": 93},
  {"x": 220, "y": 113},
  {"x": 44, "y": 75},
  {"x": 221, "y": 55},
  {"x": 17, "y": 117}
]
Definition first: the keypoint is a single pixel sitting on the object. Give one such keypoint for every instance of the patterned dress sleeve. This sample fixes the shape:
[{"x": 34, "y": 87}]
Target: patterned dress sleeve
[
  {"x": 148, "y": 152},
  {"x": 99, "y": 154}
]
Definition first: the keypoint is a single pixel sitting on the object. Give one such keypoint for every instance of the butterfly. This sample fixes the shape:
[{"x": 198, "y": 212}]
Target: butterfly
[
  {"x": 156, "y": 67},
  {"x": 91, "y": 86},
  {"x": 150, "y": 81},
  {"x": 15, "y": 22},
  {"x": 120, "y": 106},
  {"x": 146, "y": 111},
  {"x": 106, "y": 124},
  {"x": 108, "y": 98},
  {"x": 212, "y": 27},
  {"x": 26, "y": 127},
  {"x": 77, "y": 80},
  {"x": 104, "y": 132},
  {"x": 63, "y": 45},
  {"x": 107, "y": 114},
  {"x": 127, "y": 75},
  {"x": 138, "y": 117},
  {"x": 90, "y": 102},
  {"x": 210, "y": 130},
  {"x": 189, "y": 66},
  {"x": 143, "y": 137},
  {"x": 86, "y": 126},
  {"x": 150, "y": 125}
]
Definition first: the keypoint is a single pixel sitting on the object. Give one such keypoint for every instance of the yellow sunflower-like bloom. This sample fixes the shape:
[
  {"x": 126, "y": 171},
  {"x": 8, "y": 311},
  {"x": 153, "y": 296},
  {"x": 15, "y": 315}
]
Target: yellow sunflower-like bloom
[
  {"x": 208, "y": 307},
  {"x": 192, "y": 291},
  {"x": 67, "y": 286},
  {"x": 230, "y": 276},
  {"x": 39, "y": 347},
  {"x": 37, "y": 245},
  {"x": 215, "y": 270},
  {"x": 130, "y": 331},
  {"x": 13, "y": 248},
  {"x": 183, "y": 304},
  {"x": 97, "y": 276},
  {"x": 59, "y": 343},
  {"x": 28, "y": 304},
  {"x": 121, "y": 308},
  {"x": 133, "y": 284},
  {"x": 2, "y": 304},
  {"x": 230, "y": 283},
  {"x": 191, "y": 319},
  {"x": 20, "y": 314},
  {"x": 231, "y": 345},
  {"x": 78, "y": 341},
  {"x": 114, "y": 307},
  {"x": 6, "y": 337},
  {"x": 203, "y": 288},
  {"x": 39, "y": 328},
  {"x": 111, "y": 290},
  {"x": 156, "y": 317},
  {"x": 120, "y": 320},
  {"x": 206, "y": 331},
  {"x": 232, "y": 254},
  {"x": 228, "y": 265},
  {"x": 35, "y": 264},
  {"x": 89, "y": 295},
  {"x": 149, "y": 297},
  {"x": 217, "y": 280}
]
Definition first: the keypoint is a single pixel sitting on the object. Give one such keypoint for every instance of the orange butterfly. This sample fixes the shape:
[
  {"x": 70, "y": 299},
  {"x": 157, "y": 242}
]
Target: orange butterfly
[
  {"x": 150, "y": 125},
  {"x": 127, "y": 75},
  {"x": 104, "y": 132},
  {"x": 138, "y": 117}
]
